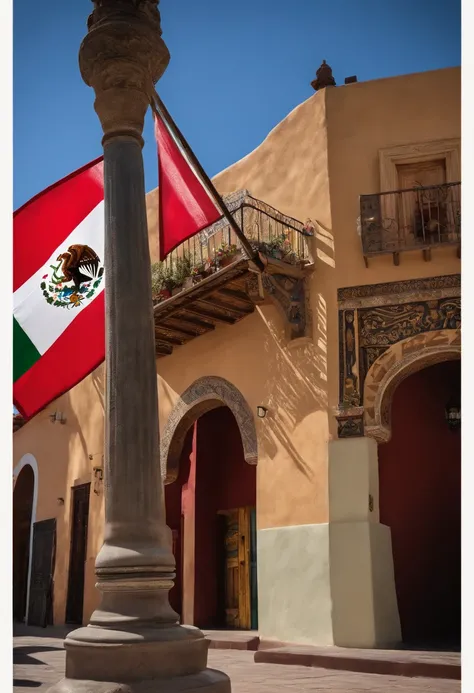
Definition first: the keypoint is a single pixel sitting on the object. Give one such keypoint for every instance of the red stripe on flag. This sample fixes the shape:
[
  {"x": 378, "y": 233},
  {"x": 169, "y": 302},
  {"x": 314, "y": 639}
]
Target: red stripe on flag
[
  {"x": 185, "y": 207},
  {"x": 79, "y": 351},
  {"x": 42, "y": 223}
]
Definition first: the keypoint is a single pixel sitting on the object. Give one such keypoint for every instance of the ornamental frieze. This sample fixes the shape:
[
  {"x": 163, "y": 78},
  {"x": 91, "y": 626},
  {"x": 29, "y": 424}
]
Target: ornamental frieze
[
  {"x": 387, "y": 325},
  {"x": 372, "y": 318}
]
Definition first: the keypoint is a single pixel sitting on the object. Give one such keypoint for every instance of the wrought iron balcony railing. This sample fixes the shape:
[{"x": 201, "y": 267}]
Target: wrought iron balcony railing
[
  {"x": 273, "y": 233},
  {"x": 417, "y": 218}
]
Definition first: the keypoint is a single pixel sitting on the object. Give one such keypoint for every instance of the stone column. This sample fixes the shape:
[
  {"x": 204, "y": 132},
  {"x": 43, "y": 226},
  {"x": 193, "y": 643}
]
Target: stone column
[{"x": 133, "y": 643}]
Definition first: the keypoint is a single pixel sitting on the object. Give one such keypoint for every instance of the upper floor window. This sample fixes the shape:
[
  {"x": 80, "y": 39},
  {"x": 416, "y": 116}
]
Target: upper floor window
[{"x": 423, "y": 206}]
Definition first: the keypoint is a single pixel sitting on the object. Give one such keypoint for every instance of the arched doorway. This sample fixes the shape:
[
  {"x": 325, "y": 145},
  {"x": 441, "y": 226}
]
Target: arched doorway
[
  {"x": 210, "y": 508},
  {"x": 23, "y": 496},
  {"x": 420, "y": 500}
]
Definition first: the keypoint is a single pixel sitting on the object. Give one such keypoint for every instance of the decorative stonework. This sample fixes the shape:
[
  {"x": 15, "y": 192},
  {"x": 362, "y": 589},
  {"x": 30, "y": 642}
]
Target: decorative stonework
[
  {"x": 203, "y": 395},
  {"x": 403, "y": 291},
  {"x": 122, "y": 57},
  {"x": 386, "y": 325},
  {"x": 448, "y": 150},
  {"x": 324, "y": 77},
  {"x": 373, "y": 318},
  {"x": 289, "y": 294},
  {"x": 254, "y": 288},
  {"x": 350, "y": 422},
  {"x": 107, "y": 10},
  {"x": 399, "y": 361}
]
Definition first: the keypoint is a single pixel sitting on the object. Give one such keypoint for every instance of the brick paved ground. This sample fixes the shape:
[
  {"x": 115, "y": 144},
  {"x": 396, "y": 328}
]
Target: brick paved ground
[{"x": 39, "y": 663}]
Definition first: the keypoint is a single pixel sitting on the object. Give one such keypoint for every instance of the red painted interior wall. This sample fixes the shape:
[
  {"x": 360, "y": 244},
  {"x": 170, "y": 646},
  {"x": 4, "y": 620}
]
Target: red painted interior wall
[
  {"x": 224, "y": 481},
  {"x": 420, "y": 500}
]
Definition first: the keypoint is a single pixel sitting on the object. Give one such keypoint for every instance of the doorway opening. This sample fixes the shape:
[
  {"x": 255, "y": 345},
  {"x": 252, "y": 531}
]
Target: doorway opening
[
  {"x": 78, "y": 554},
  {"x": 40, "y": 607},
  {"x": 420, "y": 500},
  {"x": 210, "y": 509},
  {"x": 22, "y": 510}
]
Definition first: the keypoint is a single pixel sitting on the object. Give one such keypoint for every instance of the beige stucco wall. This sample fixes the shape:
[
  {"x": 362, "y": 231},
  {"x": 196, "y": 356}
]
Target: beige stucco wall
[
  {"x": 314, "y": 164},
  {"x": 252, "y": 355},
  {"x": 363, "y": 118},
  {"x": 289, "y": 171},
  {"x": 62, "y": 455}
]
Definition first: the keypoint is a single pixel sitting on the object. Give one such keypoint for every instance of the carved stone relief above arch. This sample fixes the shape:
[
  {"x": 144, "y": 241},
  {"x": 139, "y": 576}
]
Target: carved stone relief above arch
[
  {"x": 203, "y": 395},
  {"x": 373, "y": 318},
  {"x": 397, "y": 363}
]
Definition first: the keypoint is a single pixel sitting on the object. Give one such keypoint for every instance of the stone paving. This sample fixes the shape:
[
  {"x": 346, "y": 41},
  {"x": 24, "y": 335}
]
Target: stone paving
[{"x": 38, "y": 663}]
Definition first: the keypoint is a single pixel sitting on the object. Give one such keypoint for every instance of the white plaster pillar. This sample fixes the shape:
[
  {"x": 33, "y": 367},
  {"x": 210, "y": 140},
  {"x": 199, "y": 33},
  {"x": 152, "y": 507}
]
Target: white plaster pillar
[{"x": 363, "y": 595}]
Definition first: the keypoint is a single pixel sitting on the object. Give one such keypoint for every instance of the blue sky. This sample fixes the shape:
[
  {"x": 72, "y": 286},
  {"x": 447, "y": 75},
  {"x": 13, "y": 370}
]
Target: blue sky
[{"x": 237, "y": 69}]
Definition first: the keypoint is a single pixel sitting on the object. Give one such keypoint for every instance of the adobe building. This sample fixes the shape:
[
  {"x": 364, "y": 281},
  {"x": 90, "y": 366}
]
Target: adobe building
[{"x": 309, "y": 415}]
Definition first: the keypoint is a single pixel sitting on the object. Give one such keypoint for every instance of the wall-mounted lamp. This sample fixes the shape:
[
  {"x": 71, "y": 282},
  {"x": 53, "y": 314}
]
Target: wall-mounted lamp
[
  {"x": 57, "y": 416},
  {"x": 261, "y": 411},
  {"x": 60, "y": 501},
  {"x": 453, "y": 414}
]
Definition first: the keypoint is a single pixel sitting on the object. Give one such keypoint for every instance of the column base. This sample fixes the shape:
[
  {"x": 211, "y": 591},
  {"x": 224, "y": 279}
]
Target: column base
[
  {"x": 94, "y": 653},
  {"x": 207, "y": 681},
  {"x": 145, "y": 660}
]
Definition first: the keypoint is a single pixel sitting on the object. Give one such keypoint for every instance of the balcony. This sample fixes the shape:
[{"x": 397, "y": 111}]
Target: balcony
[
  {"x": 210, "y": 281},
  {"x": 416, "y": 219}
]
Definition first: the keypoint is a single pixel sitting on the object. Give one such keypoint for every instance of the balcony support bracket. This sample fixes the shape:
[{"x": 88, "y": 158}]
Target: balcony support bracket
[{"x": 289, "y": 294}]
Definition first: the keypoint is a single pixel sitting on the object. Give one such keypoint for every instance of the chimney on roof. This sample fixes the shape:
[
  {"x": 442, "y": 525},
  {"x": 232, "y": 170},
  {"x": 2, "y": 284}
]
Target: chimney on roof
[
  {"x": 324, "y": 77},
  {"x": 351, "y": 80}
]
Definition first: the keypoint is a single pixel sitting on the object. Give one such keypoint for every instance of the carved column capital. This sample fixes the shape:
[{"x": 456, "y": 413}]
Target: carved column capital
[{"x": 121, "y": 58}]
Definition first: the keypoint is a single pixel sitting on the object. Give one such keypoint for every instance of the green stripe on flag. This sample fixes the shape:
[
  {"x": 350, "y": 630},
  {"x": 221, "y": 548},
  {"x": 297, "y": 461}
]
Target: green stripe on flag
[{"x": 25, "y": 354}]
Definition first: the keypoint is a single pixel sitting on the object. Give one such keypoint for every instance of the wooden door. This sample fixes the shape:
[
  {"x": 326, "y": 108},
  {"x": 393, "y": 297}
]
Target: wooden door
[
  {"x": 78, "y": 553},
  {"x": 253, "y": 571},
  {"x": 422, "y": 213},
  {"x": 40, "y": 611},
  {"x": 237, "y": 568},
  {"x": 21, "y": 554}
]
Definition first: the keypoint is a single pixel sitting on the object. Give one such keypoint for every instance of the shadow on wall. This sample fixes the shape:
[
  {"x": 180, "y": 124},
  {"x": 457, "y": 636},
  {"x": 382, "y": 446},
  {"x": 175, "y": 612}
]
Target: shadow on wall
[
  {"x": 297, "y": 386},
  {"x": 299, "y": 370},
  {"x": 324, "y": 244},
  {"x": 62, "y": 453},
  {"x": 92, "y": 446},
  {"x": 98, "y": 381}
]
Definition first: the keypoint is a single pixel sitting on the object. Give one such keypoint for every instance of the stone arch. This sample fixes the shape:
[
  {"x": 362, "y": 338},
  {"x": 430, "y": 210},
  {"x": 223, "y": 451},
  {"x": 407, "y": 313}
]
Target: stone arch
[
  {"x": 203, "y": 395},
  {"x": 29, "y": 460},
  {"x": 394, "y": 365}
]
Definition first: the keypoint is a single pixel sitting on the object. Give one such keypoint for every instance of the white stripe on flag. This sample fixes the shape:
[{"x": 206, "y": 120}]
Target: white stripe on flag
[{"x": 42, "y": 322}]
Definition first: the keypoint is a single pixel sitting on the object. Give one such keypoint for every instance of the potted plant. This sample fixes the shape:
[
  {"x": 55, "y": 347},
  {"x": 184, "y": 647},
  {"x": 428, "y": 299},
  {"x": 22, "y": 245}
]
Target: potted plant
[
  {"x": 181, "y": 272},
  {"x": 280, "y": 248},
  {"x": 197, "y": 273},
  {"x": 208, "y": 267},
  {"x": 159, "y": 282},
  {"x": 225, "y": 254},
  {"x": 168, "y": 281}
]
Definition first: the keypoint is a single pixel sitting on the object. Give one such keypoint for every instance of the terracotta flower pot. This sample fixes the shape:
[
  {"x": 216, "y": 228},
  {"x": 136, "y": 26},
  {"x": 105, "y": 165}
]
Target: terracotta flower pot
[{"x": 227, "y": 260}]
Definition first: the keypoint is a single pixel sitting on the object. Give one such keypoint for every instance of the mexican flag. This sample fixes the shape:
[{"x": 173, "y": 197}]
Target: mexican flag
[{"x": 58, "y": 278}]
